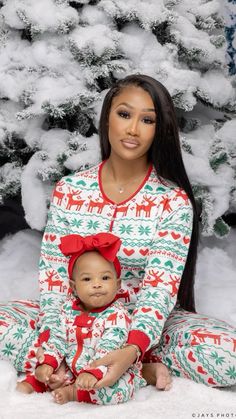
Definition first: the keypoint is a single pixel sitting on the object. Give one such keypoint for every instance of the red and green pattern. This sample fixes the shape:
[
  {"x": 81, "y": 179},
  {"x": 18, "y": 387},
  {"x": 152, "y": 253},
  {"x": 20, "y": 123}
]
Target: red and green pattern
[
  {"x": 196, "y": 347},
  {"x": 155, "y": 226},
  {"x": 80, "y": 337}
]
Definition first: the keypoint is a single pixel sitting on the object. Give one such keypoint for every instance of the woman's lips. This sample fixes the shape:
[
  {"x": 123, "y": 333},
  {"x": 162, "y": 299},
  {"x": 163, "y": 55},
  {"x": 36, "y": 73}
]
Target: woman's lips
[{"x": 130, "y": 143}]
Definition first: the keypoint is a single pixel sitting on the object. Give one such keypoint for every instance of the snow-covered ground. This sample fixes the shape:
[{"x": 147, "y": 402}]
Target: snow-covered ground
[{"x": 215, "y": 296}]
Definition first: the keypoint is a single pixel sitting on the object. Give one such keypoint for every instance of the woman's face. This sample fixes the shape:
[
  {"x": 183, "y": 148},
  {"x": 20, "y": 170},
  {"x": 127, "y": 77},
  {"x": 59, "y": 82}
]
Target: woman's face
[{"x": 132, "y": 123}]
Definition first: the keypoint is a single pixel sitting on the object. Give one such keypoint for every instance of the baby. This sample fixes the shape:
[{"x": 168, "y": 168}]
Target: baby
[{"x": 91, "y": 324}]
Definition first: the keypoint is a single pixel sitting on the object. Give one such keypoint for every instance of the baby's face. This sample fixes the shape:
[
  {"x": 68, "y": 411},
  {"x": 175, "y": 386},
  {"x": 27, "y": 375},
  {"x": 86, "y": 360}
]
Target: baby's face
[{"x": 95, "y": 280}]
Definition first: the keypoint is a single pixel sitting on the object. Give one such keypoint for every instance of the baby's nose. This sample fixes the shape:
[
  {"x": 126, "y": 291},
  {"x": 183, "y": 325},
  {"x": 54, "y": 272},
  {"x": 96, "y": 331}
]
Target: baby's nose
[{"x": 97, "y": 283}]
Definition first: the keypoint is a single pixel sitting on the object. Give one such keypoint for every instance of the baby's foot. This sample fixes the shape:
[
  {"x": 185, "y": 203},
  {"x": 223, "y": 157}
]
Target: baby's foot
[
  {"x": 163, "y": 377},
  {"x": 24, "y": 387},
  {"x": 64, "y": 394},
  {"x": 157, "y": 374}
]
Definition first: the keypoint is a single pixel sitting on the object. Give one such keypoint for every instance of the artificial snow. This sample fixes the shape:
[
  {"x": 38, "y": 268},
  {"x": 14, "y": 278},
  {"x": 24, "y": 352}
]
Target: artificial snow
[
  {"x": 24, "y": 11},
  {"x": 97, "y": 39},
  {"x": 8, "y": 377},
  {"x": 91, "y": 154},
  {"x": 217, "y": 89}
]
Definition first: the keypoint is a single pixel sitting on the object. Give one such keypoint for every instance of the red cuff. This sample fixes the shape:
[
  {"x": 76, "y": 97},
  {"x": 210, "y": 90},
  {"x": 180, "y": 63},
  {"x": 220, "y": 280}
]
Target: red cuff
[
  {"x": 49, "y": 360},
  {"x": 96, "y": 372},
  {"x": 83, "y": 396},
  {"x": 37, "y": 385},
  {"x": 136, "y": 337}
]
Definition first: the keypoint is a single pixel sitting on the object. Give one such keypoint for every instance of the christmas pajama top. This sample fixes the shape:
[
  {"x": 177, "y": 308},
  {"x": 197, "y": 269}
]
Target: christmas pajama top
[
  {"x": 155, "y": 226},
  {"x": 81, "y": 337}
]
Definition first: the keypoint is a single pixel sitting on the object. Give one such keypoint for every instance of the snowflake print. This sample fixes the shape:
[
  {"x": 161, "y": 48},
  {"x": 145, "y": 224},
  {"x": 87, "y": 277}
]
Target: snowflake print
[
  {"x": 19, "y": 333},
  {"x": 231, "y": 372},
  {"x": 185, "y": 217},
  {"x": 118, "y": 332},
  {"x": 93, "y": 225},
  {"x": 47, "y": 302},
  {"x": 219, "y": 360},
  {"x": 125, "y": 229},
  {"x": 62, "y": 220},
  {"x": 8, "y": 350},
  {"x": 76, "y": 223},
  {"x": 144, "y": 230}
]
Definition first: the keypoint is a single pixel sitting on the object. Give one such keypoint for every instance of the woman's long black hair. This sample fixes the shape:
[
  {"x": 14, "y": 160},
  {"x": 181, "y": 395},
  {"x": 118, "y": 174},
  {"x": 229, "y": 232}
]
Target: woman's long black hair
[{"x": 165, "y": 155}]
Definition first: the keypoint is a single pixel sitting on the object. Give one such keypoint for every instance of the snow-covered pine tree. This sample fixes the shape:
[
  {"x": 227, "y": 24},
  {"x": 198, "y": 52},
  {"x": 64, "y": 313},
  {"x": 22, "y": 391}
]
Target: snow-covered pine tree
[
  {"x": 59, "y": 57},
  {"x": 230, "y": 30}
]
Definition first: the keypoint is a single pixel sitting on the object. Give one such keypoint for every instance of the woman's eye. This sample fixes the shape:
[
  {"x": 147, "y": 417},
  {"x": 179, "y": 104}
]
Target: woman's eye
[
  {"x": 123, "y": 114},
  {"x": 149, "y": 121}
]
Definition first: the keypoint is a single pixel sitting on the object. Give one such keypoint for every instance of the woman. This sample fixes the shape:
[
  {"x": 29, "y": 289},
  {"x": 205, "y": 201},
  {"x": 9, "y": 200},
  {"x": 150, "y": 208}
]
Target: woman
[{"x": 141, "y": 193}]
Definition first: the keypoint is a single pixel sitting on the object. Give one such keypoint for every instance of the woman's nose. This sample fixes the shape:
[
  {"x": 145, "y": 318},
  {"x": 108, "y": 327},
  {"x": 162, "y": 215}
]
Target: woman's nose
[{"x": 132, "y": 128}]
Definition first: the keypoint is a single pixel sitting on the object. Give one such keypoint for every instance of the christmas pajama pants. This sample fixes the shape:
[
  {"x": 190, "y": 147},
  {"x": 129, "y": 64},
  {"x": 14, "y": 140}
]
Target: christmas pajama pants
[
  {"x": 191, "y": 346},
  {"x": 122, "y": 391}
]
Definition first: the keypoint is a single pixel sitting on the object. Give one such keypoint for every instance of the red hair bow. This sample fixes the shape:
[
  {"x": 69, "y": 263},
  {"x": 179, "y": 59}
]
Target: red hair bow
[{"x": 106, "y": 244}]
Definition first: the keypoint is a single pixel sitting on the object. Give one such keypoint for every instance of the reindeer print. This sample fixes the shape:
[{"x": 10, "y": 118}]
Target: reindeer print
[
  {"x": 112, "y": 318},
  {"x": 165, "y": 202},
  {"x": 202, "y": 335},
  {"x": 146, "y": 207},
  {"x": 97, "y": 204},
  {"x": 181, "y": 194},
  {"x": 157, "y": 278},
  {"x": 123, "y": 294},
  {"x": 122, "y": 209},
  {"x": 174, "y": 282},
  {"x": 53, "y": 283},
  {"x": 74, "y": 200},
  {"x": 57, "y": 193}
]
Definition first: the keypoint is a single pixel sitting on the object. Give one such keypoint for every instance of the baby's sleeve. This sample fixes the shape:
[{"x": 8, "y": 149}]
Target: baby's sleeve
[
  {"x": 116, "y": 329},
  {"x": 56, "y": 346}
]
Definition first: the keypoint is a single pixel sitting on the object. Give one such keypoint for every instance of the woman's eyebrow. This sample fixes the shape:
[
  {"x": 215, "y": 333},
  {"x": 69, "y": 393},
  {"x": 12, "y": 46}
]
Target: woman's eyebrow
[{"x": 131, "y": 107}]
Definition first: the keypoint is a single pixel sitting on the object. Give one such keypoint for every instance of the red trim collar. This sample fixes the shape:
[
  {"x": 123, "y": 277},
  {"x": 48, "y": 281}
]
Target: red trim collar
[
  {"x": 77, "y": 306},
  {"x": 128, "y": 199}
]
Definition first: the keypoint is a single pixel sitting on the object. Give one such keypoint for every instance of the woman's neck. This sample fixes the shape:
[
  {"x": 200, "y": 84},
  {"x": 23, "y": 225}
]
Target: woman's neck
[{"x": 123, "y": 170}]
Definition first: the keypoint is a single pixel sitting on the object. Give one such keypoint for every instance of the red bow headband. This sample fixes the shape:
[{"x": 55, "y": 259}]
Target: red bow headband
[{"x": 106, "y": 244}]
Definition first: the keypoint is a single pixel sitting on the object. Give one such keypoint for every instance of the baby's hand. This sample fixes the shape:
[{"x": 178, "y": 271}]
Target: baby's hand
[
  {"x": 85, "y": 381},
  {"x": 43, "y": 373}
]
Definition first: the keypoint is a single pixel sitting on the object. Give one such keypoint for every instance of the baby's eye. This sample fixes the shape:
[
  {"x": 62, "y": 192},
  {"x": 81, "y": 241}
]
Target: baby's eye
[
  {"x": 148, "y": 120},
  {"x": 86, "y": 279},
  {"x": 123, "y": 114},
  {"x": 105, "y": 277}
]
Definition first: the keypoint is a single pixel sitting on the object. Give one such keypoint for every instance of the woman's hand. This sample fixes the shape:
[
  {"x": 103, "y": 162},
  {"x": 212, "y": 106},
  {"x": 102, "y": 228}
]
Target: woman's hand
[
  {"x": 117, "y": 362},
  {"x": 57, "y": 379}
]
